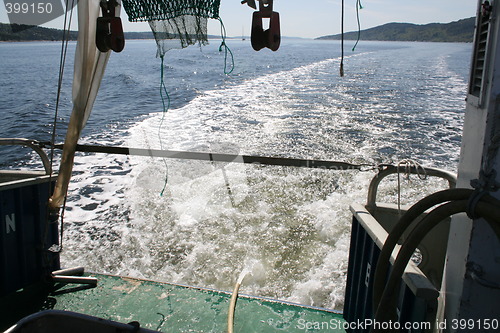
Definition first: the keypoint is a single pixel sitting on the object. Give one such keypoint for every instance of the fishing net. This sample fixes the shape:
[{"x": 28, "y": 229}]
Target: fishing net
[
  {"x": 175, "y": 23},
  {"x": 148, "y": 10}
]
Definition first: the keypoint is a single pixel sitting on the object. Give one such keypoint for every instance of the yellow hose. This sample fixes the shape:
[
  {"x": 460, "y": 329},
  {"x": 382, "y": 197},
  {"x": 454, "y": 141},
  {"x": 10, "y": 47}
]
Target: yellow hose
[{"x": 232, "y": 307}]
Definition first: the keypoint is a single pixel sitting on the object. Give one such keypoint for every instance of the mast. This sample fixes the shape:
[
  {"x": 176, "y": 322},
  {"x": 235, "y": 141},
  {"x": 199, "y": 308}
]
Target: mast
[{"x": 471, "y": 283}]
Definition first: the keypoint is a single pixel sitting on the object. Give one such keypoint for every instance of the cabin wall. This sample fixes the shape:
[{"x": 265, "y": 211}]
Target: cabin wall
[{"x": 474, "y": 249}]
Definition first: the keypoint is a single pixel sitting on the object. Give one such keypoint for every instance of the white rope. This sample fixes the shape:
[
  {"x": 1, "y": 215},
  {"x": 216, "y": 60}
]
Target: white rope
[{"x": 408, "y": 164}]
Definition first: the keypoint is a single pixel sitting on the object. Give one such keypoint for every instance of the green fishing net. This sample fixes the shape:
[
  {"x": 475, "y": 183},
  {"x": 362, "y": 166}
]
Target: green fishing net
[
  {"x": 175, "y": 23},
  {"x": 157, "y": 10}
]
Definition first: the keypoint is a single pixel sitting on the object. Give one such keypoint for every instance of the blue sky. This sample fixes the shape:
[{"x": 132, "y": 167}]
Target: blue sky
[{"x": 314, "y": 18}]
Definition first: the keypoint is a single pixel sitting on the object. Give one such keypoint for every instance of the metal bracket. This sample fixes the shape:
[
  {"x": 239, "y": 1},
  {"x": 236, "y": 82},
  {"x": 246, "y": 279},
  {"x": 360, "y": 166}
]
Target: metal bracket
[
  {"x": 250, "y": 3},
  {"x": 109, "y": 31},
  {"x": 270, "y": 38}
]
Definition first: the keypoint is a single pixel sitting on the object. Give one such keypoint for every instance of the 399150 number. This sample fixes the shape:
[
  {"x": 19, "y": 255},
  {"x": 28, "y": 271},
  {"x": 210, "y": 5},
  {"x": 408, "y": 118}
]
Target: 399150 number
[
  {"x": 28, "y": 8},
  {"x": 475, "y": 324}
]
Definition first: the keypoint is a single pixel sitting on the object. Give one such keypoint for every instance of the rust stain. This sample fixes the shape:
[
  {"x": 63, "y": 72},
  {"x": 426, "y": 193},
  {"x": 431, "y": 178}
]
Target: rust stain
[{"x": 129, "y": 287}]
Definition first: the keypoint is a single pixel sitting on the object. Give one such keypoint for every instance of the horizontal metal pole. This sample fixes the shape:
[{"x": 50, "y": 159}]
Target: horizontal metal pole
[
  {"x": 70, "y": 271},
  {"x": 75, "y": 279},
  {"x": 218, "y": 157}
]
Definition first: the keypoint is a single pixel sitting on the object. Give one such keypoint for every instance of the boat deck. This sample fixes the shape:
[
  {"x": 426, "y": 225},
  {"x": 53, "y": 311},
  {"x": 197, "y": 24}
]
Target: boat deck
[{"x": 168, "y": 308}]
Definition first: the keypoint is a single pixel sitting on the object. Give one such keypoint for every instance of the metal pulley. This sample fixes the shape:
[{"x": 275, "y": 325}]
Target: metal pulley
[
  {"x": 109, "y": 31},
  {"x": 270, "y": 37}
]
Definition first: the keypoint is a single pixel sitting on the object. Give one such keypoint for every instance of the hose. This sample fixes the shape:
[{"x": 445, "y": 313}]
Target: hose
[
  {"x": 488, "y": 208},
  {"x": 232, "y": 307},
  {"x": 404, "y": 223},
  {"x": 234, "y": 298}
]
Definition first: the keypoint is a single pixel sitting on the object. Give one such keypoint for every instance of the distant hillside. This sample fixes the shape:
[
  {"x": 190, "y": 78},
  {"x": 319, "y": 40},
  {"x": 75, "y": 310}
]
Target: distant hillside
[
  {"x": 21, "y": 32},
  {"x": 459, "y": 31}
]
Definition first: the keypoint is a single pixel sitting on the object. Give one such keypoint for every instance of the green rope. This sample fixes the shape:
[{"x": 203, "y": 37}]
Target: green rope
[
  {"x": 226, "y": 48},
  {"x": 358, "y": 7},
  {"x": 166, "y": 106}
]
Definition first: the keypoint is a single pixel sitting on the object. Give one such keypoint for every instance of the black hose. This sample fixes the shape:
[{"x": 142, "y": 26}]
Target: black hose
[
  {"x": 403, "y": 224},
  {"x": 488, "y": 209}
]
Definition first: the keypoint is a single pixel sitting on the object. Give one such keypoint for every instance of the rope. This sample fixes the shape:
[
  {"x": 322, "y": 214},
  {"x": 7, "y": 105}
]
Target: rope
[
  {"x": 484, "y": 185},
  {"x": 408, "y": 164},
  {"x": 358, "y": 7},
  {"x": 62, "y": 226},
  {"x": 162, "y": 321},
  {"x": 342, "y": 40},
  {"x": 166, "y": 106},
  {"x": 62, "y": 62},
  {"x": 226, "y": 48},
  {"x": 57, "y": 105},
  {"x": 226, "y": 180}
]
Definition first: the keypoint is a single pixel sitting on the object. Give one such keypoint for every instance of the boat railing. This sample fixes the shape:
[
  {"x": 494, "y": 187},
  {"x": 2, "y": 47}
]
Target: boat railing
[
  {"x": 389, "y": 169},
  {"x": 9, "y": 175}
]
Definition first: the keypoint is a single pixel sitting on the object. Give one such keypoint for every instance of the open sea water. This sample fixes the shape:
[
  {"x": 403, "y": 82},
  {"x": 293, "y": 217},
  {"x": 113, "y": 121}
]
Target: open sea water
[{"x": 288, "y": 227}]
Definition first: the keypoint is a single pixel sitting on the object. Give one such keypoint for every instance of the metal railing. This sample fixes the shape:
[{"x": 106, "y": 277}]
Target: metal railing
[
  {"x": 33, "y": 144},
  {"x": 387, "y": 169}
]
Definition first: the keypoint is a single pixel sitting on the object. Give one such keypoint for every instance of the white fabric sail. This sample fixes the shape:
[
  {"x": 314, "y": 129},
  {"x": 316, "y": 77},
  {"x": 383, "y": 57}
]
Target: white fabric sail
[{"x": 90, "y": 64}]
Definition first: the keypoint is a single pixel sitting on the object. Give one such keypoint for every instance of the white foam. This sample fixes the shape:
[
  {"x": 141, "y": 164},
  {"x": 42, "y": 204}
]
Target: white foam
[{"x": 283, "y": 232}]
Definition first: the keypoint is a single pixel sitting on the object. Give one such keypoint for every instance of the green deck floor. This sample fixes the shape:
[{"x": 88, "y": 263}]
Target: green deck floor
[{"x": 169, "y": 308}]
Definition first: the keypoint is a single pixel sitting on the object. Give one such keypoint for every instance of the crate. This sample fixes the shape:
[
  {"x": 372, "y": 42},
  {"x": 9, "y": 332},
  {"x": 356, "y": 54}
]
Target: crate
[
  {"x": 26, "y": 234},
  {"x": 417, "y": 297}
]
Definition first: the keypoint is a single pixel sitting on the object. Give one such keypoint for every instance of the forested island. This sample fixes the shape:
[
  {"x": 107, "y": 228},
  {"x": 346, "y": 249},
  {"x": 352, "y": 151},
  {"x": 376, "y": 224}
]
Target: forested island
[
  {"x": 21, "y": 32},
  {"x": 458, "y": 31}
]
